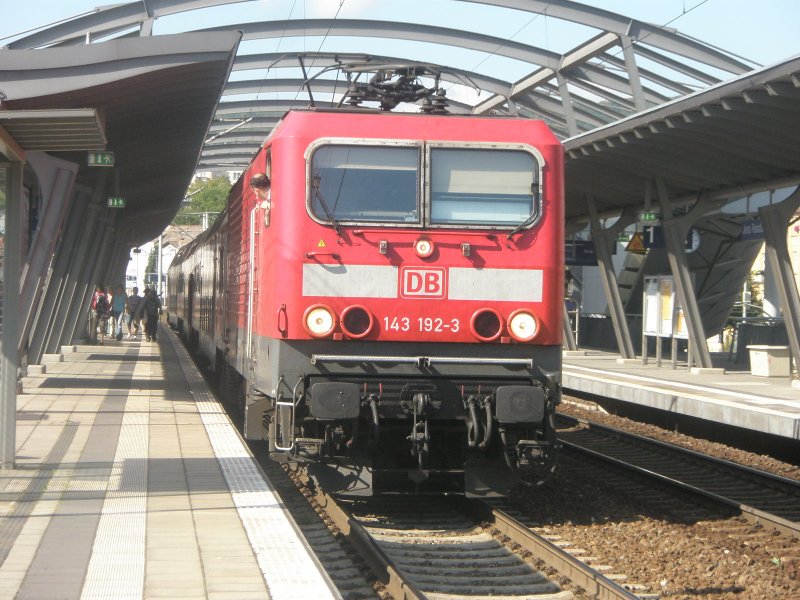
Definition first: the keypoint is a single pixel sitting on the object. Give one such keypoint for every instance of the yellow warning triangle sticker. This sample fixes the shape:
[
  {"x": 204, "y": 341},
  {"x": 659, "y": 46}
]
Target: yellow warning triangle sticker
[
  {"x": 636, "y": 244},
  {"x": 321, "y": 244}
]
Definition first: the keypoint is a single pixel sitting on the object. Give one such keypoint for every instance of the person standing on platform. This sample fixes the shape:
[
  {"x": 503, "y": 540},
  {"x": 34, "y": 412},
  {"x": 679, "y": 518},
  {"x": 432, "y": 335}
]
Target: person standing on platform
[
  {"x": 118, "y": 310},
  {"x": 132, "y": 305},
  {"x": 152, "y": 310},
  {"x": 93, "y": 321},
  {"x": 102, "y": 312}
]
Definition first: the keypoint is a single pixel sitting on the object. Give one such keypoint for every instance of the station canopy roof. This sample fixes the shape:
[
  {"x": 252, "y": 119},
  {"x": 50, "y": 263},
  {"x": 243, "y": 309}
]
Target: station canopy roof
[{"x": 632, "y": 100}]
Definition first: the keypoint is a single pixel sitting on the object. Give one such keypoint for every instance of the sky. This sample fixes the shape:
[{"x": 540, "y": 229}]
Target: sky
[{"x": 765, "y": 32}]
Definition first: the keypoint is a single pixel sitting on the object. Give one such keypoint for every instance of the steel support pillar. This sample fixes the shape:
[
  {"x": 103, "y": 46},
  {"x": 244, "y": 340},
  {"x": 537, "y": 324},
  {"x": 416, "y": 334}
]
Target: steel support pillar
[
  {"x": 775, "y": 220},
  {"x": 94, "y": 270},
  {"x": 566, "y": 104},
  {"x": 100, "y": 250},
  {"x": 603, "y": 239},
  {"x": 637, "y": 93},
  {"x": 78, "y": 271},
  {"x": 9, "y": 353},
  {"x": 47, "y": 328},
  {"x": 569, "y": 337},
  {"x": 112, "y": 273},
  {"x": 675, "y": 230},
  {"x": 56, "y": 178}
]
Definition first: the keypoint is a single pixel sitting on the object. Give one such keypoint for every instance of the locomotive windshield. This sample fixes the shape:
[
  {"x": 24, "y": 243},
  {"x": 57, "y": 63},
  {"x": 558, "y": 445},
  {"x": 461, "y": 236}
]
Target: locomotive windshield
[
  {"x": 365, "y": 183},
  {"x": 464, "y": 186},
  {"x": 482, "y": 186}
]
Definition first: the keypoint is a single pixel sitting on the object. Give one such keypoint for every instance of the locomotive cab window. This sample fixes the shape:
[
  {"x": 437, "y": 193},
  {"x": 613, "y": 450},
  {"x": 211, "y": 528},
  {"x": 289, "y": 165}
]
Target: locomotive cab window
[
  {"x": 482, "y": 186},
  {"x": 364, "y": 184}
]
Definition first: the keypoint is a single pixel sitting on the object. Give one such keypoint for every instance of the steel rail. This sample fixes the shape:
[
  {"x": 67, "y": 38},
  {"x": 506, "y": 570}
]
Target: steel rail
[
  {"x": 751, "y": 513},
  {"x": 396, "y": 582},
  {"x": 596, "y": 584}
]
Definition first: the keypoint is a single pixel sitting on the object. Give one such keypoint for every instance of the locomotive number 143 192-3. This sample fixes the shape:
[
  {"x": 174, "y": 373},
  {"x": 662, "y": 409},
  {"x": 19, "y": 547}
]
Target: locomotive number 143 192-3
[{"x": 421, "y": 324}]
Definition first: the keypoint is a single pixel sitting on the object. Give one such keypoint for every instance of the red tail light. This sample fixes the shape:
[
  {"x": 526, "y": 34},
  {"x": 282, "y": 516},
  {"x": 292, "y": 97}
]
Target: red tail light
[
  {"x": 486, "y": 324},
  {"x": 357, "y": 321}
]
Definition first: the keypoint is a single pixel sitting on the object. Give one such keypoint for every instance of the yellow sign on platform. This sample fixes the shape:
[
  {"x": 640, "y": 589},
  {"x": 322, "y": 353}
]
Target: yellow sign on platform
[{"x": 636, "y": 244}]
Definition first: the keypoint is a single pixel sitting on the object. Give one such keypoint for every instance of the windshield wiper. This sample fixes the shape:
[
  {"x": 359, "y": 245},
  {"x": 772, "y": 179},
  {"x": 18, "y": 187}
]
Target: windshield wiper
[
  {"x": 531, "y": 217},
  {"x": 315, "y": 181}
]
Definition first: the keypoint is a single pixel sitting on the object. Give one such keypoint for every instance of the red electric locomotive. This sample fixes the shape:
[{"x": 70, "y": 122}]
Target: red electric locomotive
[{"x": 391, "y": 311}]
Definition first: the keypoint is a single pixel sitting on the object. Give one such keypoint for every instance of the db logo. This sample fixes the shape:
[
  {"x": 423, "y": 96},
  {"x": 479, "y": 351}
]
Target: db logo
[{"x": 429, "y": 282}]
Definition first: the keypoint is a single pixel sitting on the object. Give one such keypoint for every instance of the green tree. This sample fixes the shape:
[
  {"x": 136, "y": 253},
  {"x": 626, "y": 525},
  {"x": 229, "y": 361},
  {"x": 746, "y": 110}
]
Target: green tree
[
  {"x": 204, "y": 196},
  {"x": 152, "y": 259}
]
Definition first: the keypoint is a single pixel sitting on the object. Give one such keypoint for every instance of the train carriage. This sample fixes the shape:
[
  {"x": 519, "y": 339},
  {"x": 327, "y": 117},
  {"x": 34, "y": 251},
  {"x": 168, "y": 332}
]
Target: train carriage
[{"x": 391, "y": 313}]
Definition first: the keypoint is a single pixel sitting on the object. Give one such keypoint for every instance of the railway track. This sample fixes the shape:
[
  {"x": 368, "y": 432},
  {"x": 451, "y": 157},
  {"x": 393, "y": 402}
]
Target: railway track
[
  {"x": 768, "y": 500},
  {"x": 454, "y": 548}
]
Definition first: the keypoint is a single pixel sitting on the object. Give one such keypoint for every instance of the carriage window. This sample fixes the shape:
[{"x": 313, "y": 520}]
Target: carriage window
[
  {"x": 365, "y": 183},
  {"x": 477, "y": 186}
]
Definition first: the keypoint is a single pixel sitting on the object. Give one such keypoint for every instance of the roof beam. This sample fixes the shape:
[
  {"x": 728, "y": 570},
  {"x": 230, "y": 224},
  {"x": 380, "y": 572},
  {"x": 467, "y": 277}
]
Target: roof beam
[{"x": 578, "y": 55}]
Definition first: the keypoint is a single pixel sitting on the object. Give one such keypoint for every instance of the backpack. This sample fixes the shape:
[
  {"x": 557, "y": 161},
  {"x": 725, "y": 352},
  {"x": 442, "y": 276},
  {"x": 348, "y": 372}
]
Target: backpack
[
  {"x": 101, "y": 307},
  {"x": 152, "y": 304}
]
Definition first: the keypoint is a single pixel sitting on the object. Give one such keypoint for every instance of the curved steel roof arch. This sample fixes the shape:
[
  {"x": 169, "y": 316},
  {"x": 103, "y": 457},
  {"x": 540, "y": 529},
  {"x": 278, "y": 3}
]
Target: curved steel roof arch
[
  {"x": 622, "y": 67},
  {"x": 278, "y": 60},
  {"x": 119, "y": 17},
  {"x": 263, "y": 108},
  {"x": 221, "y": 126},
  {"x": 364, "y": 28},
  {"x": 638, "y": 31},
  {"x": 453, "y": 75},
  {"x": 106, "y": 21},
  {"x": 222, "y": 149},
  {"x": 572, "y": 69}
]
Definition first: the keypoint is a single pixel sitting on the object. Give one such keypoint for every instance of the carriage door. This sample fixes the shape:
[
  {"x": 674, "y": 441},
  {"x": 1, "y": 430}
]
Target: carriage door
[
  {"x": 255, "y": 226},
  {"x": 190, "y": 303},
  {"x": 251, "y": 276}
]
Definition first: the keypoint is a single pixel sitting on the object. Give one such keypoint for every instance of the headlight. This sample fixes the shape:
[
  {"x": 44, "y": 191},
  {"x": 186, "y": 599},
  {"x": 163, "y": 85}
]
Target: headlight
[
  {"x": 523, "y": 325},
  {"x": 423, "y": 247},
  {"x": 319, "y": 320}
]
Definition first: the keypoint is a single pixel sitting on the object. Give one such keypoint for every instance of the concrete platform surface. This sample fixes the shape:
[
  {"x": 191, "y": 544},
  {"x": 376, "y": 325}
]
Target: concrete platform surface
[
  {"x": 131, "y": 482},
  {"x": 733, "y": 397}
]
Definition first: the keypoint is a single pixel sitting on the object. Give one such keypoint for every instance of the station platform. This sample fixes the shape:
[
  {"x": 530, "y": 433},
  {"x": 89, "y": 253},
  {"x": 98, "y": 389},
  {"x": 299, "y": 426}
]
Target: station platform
[
  {"x": 727, "y": 395},
  {"x": 132, "y": 482}
]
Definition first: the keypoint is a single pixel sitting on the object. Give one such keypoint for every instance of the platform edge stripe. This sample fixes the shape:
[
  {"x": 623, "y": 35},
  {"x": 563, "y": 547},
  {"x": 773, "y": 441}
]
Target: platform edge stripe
[
  {"x": 117, "y": 563},
  {"x": 290, "y": 569}
]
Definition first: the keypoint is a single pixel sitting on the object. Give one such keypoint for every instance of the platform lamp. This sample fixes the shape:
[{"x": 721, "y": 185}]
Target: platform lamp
[{"x": 137, "y": 251}]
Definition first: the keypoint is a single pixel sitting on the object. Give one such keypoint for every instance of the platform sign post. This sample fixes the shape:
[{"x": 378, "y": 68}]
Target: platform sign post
[
  {"x": 649, "y": 313},
  {"x": 662, "y": 316}
]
